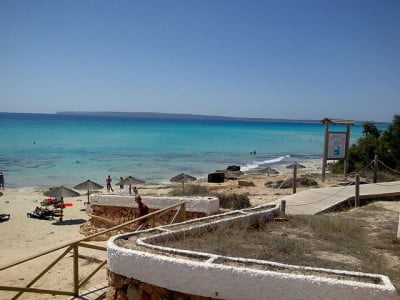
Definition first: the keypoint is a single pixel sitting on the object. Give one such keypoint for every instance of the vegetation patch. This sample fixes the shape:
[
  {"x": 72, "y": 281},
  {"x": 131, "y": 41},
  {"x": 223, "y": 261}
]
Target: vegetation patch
[
  {"x": 233, "y": 201},
  {"x": 386, "y": 144},
  {"x": 362, "y": 239},
  {"x": 190, "y": 190},
  {"x": 229, "y": 200},
  {"x": 288, "y": 183}
]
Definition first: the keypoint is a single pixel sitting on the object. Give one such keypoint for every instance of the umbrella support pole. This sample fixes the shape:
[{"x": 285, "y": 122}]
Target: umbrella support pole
[{"x": 62, "y": 209}]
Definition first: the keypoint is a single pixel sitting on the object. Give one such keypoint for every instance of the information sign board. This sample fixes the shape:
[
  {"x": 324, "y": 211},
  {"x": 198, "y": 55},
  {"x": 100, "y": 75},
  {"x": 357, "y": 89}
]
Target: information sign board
[{"x": 336, "y": 145}]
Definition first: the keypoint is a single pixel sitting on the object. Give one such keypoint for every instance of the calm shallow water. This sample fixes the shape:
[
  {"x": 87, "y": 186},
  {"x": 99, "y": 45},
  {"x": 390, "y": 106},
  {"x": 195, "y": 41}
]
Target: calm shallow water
[{"x": 47, "y": 150}]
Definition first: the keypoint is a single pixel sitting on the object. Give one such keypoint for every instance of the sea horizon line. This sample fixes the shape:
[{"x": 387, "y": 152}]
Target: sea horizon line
[{"x": 180, "y": 116}]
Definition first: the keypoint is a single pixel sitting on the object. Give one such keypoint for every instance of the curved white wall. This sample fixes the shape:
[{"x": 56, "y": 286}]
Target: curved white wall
[{"x": 209, "y": 278}]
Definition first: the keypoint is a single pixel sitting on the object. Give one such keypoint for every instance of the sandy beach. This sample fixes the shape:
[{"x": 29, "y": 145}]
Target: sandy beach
[{"x": 23, "y": 236}]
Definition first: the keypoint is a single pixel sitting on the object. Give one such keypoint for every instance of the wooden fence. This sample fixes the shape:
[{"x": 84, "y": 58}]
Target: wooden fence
[{"x": 150, "y": 219}]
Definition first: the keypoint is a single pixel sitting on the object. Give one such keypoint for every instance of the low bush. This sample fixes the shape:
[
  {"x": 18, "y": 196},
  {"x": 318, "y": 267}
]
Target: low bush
[
  {"x": 386, "y": 144},
  {"x": 233, "y": 201},
  {"x": 190, "y": 190}
]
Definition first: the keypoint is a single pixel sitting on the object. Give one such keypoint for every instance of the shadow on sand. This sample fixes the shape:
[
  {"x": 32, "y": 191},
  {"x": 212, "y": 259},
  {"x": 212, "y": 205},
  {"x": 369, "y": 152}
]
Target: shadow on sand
[{"x": 70, "y": 222}]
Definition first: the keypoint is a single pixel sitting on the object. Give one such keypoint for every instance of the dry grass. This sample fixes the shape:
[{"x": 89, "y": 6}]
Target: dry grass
[
  {"x": 233, "y": 201},
  {"x": 190, "y": 190},
  {"x": 227, "y": 200},
  {"x": 348, "y": 241}
]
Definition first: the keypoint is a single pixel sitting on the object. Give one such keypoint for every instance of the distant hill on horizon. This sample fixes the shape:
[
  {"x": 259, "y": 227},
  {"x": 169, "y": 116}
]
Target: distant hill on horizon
[{"x": 175, "y": 116}]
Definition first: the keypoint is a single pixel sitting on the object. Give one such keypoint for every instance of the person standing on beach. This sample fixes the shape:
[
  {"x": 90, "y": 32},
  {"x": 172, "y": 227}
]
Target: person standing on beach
[
  {"x": 1, "y": 181},
  {"x": 108, "y": 184},
  {"x": 141, "y": 211},
  {"x": 121, "y": 186}
]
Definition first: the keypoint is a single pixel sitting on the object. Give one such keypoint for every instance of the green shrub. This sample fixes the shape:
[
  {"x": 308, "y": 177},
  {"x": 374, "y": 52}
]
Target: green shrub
[
  {"x": 385, "y": 144},
  {"x": 233, "y": 201},
  {"x": 337, "y": 167}
]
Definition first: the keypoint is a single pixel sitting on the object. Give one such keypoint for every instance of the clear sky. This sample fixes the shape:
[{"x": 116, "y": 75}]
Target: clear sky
[{"x": 299, "y": 59}]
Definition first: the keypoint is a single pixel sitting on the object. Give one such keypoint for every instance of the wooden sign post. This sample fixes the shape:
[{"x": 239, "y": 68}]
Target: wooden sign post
[{"x": 336, "y": 144}]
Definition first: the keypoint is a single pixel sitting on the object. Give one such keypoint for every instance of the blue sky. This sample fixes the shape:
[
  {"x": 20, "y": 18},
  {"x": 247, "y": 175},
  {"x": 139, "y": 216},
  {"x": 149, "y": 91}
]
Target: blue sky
[{"x": 275, "y": 59}]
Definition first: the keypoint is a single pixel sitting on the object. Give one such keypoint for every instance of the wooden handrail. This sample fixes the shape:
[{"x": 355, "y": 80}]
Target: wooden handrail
[
  {"x": 95, "y": 247},
  {"x": 176, "y": 215},
  {"x": 43, "y": 272},
  {"x": 161, "y": 211},
  {"x": 18, "y": 262},
  {"x": 154, "y": 213},
  {"x": 76, "y": 268},
  {"x": 74, "y": 245},
  {"x": 92, "y": 274},
  {"x": 34, "y": 290}
]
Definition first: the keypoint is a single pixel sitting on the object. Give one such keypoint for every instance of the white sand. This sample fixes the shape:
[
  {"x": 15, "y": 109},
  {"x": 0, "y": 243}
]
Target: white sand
[{"x": 22, "y": 237}]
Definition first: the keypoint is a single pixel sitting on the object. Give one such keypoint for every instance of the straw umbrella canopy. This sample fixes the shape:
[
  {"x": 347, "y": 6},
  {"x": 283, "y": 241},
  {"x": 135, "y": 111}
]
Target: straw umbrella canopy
[
  {"x": 61, "y": 192},
  {"x": 291, "y": 166},
  {"x": 131, "y": 181},
  {"x": 88, "y": 186},
  {"x": 268, "y": 170},
  {"x": 183, "y": 178}
]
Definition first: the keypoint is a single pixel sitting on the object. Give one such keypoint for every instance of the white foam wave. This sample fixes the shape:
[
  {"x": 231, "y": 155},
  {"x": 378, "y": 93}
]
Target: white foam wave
[{"x": 256, "y": 164}]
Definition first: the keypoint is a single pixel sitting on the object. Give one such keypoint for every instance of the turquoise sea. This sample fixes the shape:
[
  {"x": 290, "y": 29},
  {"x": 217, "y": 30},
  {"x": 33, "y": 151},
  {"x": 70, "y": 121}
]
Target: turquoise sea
[{"x": 53, "y": 149}]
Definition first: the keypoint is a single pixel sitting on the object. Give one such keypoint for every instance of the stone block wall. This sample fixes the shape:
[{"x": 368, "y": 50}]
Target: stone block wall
[
  {"x": 121, "y": 214},
  {"x": 119, "y": 209},
  {"x": 123, "y": 288},
  {"x": 207, "y": 205}
]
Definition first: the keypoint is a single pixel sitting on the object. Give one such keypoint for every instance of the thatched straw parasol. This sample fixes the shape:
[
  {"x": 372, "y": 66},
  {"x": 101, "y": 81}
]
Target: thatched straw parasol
[
  {"x": 131, "y": 181},
  {"x": 299, "y": 166},
  {"x": 88, "y": 186},
  {"x": 268, "y": 170},
  {"x": 183, "y": 178},
  {"x": 61, "y": 192}
]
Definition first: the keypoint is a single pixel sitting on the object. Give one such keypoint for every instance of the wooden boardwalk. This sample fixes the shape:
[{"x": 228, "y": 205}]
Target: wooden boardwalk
[
  {"x": 314, "y": 201},
  {"x": 97, "y": 292}
]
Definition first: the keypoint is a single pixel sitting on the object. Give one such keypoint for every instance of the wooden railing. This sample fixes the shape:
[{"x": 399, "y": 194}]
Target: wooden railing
[{"x": 74, "y": 247}]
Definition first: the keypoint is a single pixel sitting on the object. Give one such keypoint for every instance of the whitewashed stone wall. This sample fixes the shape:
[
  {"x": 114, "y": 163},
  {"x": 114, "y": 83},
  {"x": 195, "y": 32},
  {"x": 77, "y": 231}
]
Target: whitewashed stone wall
[
  {"x": 206, "y": 205},
  {"x": 210, "y": 276}
]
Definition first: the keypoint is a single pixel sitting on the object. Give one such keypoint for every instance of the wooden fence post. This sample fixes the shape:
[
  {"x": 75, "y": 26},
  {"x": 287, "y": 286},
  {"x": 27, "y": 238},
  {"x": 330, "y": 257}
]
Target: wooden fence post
[
  {"x": 294, "y": 185},
  {"x": 76, "y": 269},
  {"x": 325, "y": 152},
  {"x": 357, "y": 196},
  {"x": 183, "y": 207},
  {"x": 283, "y": 207},
  {"x": 375, "y": 180},
  {"x": 346, "y": 152}
]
